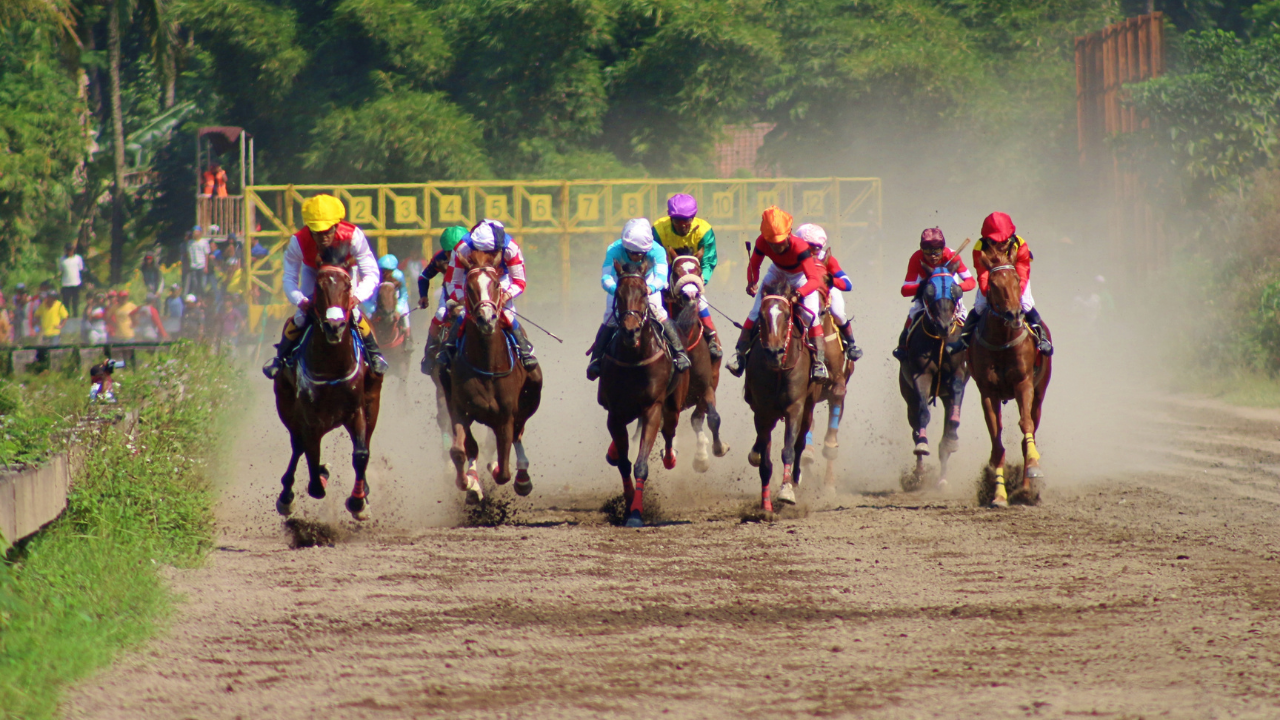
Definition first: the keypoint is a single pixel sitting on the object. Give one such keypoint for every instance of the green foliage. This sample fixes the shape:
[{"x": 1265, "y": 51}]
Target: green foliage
[{"x": 87, "y": 586}]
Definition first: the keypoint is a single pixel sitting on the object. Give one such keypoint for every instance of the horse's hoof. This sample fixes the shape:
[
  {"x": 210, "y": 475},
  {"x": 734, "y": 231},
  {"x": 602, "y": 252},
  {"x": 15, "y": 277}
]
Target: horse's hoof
[
  {"x": 999, "y": 503},
  {"x": 941, "y": 484},
  {"x": 634, "y": 520},
  {"x": 358, "y": 507},
  {"x": 767, "y": 507},
  {"x": 493, "y": 472},
  {"x": 283, "y": 507},
  {"x": 787, "y": 494},
  {"x": 316, "y": 489},
  {"x": 808, "y": 457},
  {"x": 753, "y": 459},
  {"x": 720, "y": 449},
  {"x": 922, "y": 448},
  {"x": 669, "y": 460},
  {"x": 1035, "y": 473},
  {"x": 700, "y": 464},
  {"x": 523, "y": 485},
  {"x": 611, "y": 456},
  {"x": 831, "y": 452},
  {"x": 474, "y": 496}
]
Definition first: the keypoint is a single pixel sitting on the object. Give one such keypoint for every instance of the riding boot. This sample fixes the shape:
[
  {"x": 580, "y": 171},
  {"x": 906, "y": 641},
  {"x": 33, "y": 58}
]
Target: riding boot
[
  {"x": 966, "y": 333},
  {"x": 429, "y": 354},
  {"x": 449, "y": 344},
  {"x": 603, "y": 336},
  {"x": 818, "y": 368},
  {"x": 712, "y": 339},
  {"x": 738, "y": 363},
  {"x": 524, "y": 348},
  {"x": 678, "y": 355},
  {"x": 900, "y": 352},
  {"x": 289, "y": 339},
  {"x": 1042, "y": 338},
  {"x": 372, "y": 354},
  {"x": 851, "y": 350}
]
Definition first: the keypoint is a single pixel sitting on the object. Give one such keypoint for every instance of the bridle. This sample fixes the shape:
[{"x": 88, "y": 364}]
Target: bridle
[
  {"x": 322, "y": 273},
  {"x": 644, "y": 315},
  {"x": 1012, "y": 318},
  {"x": 791, "y": 330},
  {"x": 472, "y": 309}
]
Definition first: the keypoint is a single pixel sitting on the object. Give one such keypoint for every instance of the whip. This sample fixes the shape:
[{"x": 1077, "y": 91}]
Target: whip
[{"x": 548, "y": 332}]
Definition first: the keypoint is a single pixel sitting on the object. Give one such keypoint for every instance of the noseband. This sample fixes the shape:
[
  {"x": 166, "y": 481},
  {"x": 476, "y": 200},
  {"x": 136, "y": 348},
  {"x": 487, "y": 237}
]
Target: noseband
[
  {"x": 791, "y": 325},
  {"x": 491, "y": 303},
  {"x": 643, "y": 314},
  {"x": 1011, "y": 317}
]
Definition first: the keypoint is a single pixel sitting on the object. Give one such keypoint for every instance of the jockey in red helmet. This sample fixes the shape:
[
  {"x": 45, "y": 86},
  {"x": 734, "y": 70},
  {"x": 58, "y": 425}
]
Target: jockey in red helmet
[{"x": 998, "y": 228}]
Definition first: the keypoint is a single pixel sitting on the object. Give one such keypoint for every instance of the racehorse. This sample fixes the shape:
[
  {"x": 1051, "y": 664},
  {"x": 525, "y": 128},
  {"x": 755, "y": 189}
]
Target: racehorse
[
  {"x": 394, "y": 340},
  {"x": 841, "y": 369},
  {"x": 442, "y": 395},
  {"x": 1007, "y": 366},
  {"x": 487, "y": 383},
  {"x": 635, "y": 380},
  {"x": 777, "y": 387},
  {"x": 930, "y": 373},
  {"x": 696, "y": 388},
  {"x": 329, "y": 386}
]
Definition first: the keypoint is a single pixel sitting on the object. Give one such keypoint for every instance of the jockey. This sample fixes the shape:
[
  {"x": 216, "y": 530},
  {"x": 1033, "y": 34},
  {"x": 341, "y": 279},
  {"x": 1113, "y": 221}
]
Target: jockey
[
  {"x": 682, "y": 231},
  {"x": 998, "y": 228},
  {"x": 325, "y": 229},
  {"x": 489, "y": 236},
  {"x": 838, "y": 283},
  {"x": 439, "y": 265},
  {"x": 793, "y": 263},
  {"x": 390, "y": 272},
  {"x": 933, "y": 253},
  {"x": 636, "y": 244}
]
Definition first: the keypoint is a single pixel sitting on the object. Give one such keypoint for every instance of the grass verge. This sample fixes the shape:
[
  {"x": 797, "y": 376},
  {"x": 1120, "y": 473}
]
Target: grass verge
[
  {"x": 88, "y": 586},
  {"x": 1243, "y": 389}
]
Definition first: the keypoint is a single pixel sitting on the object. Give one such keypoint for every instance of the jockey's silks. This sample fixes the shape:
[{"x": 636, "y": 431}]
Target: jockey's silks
[
  {"x": 919, "y": 271},
  {"x": 795, "y": 257},
  {"x": 311, "y": 251},
  {"x": 1021, "y": 263},
  {"x": 700, "y": 241}
]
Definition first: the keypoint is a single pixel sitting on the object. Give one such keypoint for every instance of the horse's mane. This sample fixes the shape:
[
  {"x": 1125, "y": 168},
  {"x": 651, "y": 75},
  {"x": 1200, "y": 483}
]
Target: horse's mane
[
  {"x": 636, "y": 268},
  {"x": 335, "y": 254}
]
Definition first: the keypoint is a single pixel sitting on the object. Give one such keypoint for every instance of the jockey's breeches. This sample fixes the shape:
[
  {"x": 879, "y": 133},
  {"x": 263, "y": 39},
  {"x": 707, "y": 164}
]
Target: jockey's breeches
[
  {"x": 655, "y": 308},
  {"x": 1028, "y": 302},
  {"x": 773, "y": 276}
]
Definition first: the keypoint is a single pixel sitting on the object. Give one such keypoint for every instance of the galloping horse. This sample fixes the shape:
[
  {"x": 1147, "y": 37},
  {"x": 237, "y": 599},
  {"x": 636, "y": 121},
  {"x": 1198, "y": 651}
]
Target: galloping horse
[
  {"x": 930, "y": 373},
  {"x": 487, "y": 383},
  {"x": 392, "y": 338},
  {"x": 330, "y": 386},
  {"x": 635, "y": 380},
  {"x": 442, "y": 395},
  {"x": 1007, "y": 366},
  {"x": 778, "y": 388},
  {"x": 697, "y": 388},
  {"x": 841, "y": 368}
]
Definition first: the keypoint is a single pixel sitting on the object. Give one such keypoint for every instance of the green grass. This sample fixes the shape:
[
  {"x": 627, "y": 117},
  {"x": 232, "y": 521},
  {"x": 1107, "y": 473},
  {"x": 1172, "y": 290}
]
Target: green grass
[
  {"x": 88, "y": 586},
  {"x": 1245, "y": 389}
]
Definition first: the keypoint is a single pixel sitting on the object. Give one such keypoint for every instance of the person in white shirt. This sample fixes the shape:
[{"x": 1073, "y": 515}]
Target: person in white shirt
[
  {"x": 72, "y": 266},
  {"x": 197, "y": 262}
]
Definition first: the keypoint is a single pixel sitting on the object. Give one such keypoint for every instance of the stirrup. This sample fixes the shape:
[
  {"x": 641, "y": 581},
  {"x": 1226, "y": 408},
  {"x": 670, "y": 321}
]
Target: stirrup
[
  {"x": 737, "y": 364},
  {"x": 593, "y": 370},
  {"x": 681, "y": 361},
  {"x": 530, "y": 362},
  {"x": 852, "y": 352},
  {"x": 272, "y": 368},
  {"x": 377, "y": 364},
  {"x": 819, "y": 371}
]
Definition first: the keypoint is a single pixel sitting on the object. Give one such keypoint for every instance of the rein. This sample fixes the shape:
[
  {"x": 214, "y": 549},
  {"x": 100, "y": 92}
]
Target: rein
[
  {"x": 646, "y": 320},
  {"x": 1021, "y": 336},
  {"x": 470, "y": 309},
  {"x": 356, "y": 344},
  {"x": 791, "y": 329}
]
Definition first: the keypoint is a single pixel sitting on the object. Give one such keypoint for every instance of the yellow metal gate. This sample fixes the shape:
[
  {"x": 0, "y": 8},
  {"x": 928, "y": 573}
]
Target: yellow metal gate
[{"x": 547, "y": 217}]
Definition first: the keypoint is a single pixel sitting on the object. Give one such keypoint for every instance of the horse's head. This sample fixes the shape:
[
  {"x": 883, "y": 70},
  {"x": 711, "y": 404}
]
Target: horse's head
[
  {"x": 775, "y": 323},
  {"x": 333, "y": 301},
  {"x": 941, "y": 294},
  {"x": 631, "y": 300},
  {"x": 387, "y": 295},
  {"x": 484, "y": 299},
  {"x": 685, "y": 266},
  {"x": 1004, "y": 290}
]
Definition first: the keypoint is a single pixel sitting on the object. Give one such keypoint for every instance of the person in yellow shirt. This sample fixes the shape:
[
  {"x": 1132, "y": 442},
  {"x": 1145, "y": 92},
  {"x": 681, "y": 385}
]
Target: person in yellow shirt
[
  {"x": 123, "y": 312},
  {"x": 52, "y": 315}
]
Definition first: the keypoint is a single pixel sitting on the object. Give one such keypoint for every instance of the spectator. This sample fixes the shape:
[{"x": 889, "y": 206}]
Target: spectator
[
  {"x": 20, "y": 316},
  {"x": 173, "y": 307},
  {"x": 257, "y": 250},
  {"x": 53, "y": 315},
  {"x": 197, "y": 262},
  {"x": 231, "y": 321},
  {"x": 146, "y": 321},
  {"x": 6, "y": 324},
  {"x": 214, "y": 181},
  {"x": 72, "y": 266},
  {"x": 151, "y": 276},
  {"x": 97, "y": 320},
  {"x": 193, "y": 317},
  {"x": 123, "y": 314}
]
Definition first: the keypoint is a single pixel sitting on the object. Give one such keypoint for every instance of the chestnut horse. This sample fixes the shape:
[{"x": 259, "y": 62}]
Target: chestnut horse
[
  {"x": 930, "y": 373},
  {"x": 330, "y": 386},
  {"x": 841, "y": 368},
  {"x": 635, "y": 380},
  {"x": 697, "y": 388},
  {"x": 1007, "y": 366},
  {"x": 394, "y": 341},
  {"x": 777, "y": 387},
  {"x": 487, "y": 383}
]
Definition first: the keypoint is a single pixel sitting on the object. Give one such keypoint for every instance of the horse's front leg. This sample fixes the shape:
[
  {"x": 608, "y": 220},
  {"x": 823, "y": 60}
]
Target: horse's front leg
[
  {"x": 443, "y": 420},
  {"x": 951, "y": 435},
  {"x": 793, "y": 443},
  {"x": 698, "y": 421},
  {"x": 319, "y": 473},
  {"x": 991, "y": 409},
  {"x": 718, "y": 448},
  {"x": 1030, "y": 455},
  {"x": 284, "y": 503},
  {"x": 650, "y": 422},
  {"x": 670, "y": 419},
  {"x": 357, "y": 428},
  {"x": 920, "y": 424},
  {"x": 759, "y": 456},
  {"x": 831, "y": 443},
  {"x": 500, "y": 468},
  {"x": 617, "y": 455}
]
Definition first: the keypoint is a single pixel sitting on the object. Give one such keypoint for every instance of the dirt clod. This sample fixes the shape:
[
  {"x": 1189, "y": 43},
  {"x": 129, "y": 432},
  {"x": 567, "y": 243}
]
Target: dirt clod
[{"x": 310, "y": 533}]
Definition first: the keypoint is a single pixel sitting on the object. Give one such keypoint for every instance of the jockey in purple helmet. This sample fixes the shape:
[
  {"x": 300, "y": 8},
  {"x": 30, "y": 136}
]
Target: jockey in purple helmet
[{"x": 682, "y": 232}]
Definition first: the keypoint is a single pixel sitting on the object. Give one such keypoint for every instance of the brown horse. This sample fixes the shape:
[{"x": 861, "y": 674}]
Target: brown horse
[
  {"x": 778, "y": 388},
  {"x": 697, "y": 388},
  {"x": 442, "y": 395},
  {"x": 487, "y": 383},
  {"x": 841, "y": 368},
  {"x": 1007, "y": 366},
  {"x": 330, "y": 386},
  {"x": 635, "y": 380},
  {"x": 393, "y": 339}
]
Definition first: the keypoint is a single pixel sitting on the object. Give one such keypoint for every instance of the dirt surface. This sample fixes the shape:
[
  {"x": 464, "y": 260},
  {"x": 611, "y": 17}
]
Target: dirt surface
[{"x": 1145, "y": 585}]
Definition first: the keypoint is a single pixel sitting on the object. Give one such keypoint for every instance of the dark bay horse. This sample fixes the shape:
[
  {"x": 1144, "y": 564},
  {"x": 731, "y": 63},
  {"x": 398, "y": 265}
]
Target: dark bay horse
[
  {"x": 930, "y": 373},
  {"x": 696, "y": 388},
  {"x": 442, "y": 395},
  {"x": 1007, "y": 366},
  {"x": 487, "y": 383},
  {"x": 392, "y": 338},
  {"x": 841, "y": 368},
  {"x": 636, "y": 377},
  {"x": 777, "y": 387},
  {"x": 330, "y": 386}
]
